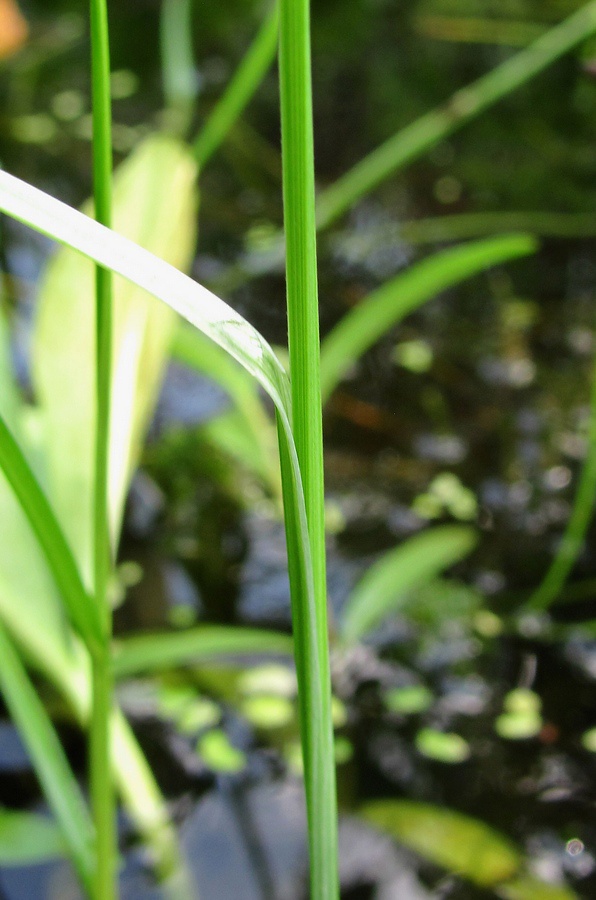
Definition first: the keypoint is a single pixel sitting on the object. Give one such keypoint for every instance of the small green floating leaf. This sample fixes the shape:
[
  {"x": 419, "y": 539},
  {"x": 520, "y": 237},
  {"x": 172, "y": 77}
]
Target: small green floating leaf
[
  {"x": 201, "y": 713},
  {"x": 442, "y": 746},
  {"x": 589, "y": 740},
  {"x": 27, "y": 838},
  {"x": 521, "y": 719},
  {"x": 219, "y": 754},
  {"x": 268, "y": 711},
  {"x": 343, "y": 750},
  {"x": 416, "y": 356},
  {"x": 414, "y": 698},
  {"x": 269, "y": 679},
  {"x": 527, "y": 888},
  {"x": 459, "y": 843},
  {"x": 518, "y": 726},
  {"x": 522, "y": 700}
]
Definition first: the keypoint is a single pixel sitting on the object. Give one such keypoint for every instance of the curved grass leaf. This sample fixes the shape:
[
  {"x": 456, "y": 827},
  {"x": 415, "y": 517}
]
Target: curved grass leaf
[
  {"x": 390, "y": 303},
  {"x": 234, "y": 334},
  {"x": 153, "y": 652},
  {"x": 414, "y": 563},
  {"x": 59, "y": 783},
  {"x": 459, "y": 843}
]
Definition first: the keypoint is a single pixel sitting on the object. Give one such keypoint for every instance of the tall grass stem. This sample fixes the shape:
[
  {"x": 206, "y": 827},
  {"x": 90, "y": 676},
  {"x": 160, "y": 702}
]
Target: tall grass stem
[
  {"x": 303, "y": 338},
  {"x": 102, "y": 789}
]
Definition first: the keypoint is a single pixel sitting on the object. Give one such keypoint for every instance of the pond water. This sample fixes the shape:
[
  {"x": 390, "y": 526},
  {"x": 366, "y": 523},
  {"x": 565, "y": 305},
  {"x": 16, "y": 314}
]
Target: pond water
[{"x": 488, "y": 384}]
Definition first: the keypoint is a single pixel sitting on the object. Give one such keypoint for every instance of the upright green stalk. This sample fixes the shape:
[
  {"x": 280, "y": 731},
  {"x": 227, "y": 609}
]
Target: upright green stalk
[
  {"x": 102, "y": 790},
  {"x": 303, "y": 336}
]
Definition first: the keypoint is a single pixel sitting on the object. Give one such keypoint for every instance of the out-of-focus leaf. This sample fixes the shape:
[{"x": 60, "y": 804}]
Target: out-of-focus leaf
[
  {"x": 528, "y": 888},
  {"x": 154, "y": 204},
  {"x": 442, "y": 746},
  {"x": 414, "y": 563},
  {"x": 219, "y": 754},
  {"x": 152, "y": 652},
  {"x": 27, "y": 838},
  {"x": 389, "y": 304},
  {"x": 461, "y": 844}
]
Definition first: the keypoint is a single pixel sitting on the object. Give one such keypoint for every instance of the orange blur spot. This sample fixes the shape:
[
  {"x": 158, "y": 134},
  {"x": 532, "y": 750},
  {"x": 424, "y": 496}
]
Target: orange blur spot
[{"x": 13, "y": 28}]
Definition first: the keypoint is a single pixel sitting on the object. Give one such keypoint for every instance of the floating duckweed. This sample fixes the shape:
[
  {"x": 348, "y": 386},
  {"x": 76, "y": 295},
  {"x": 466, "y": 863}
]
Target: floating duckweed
[
  {"x": 589, "y": 740},
  {"x": 521, "y": 719},
  {"x": 68, "y": 105},
  {"x": 442, "y": 746},
  {"x": 35, "y": 129},
  {"x": 518, "y": 726},
  {"x": 268, "y": 711},
  {"x": 123, "y": 84},
  {"x": 487, "y": 624},
  {"x": 270, "y": 679},
  {"x": 219, "y": 754},
  {"x": 522, "y": 700},
  {"x": 201, "y": 713},
  {"x": 416, "y": 356},
  {"x": 413, "y": 698},
  {"x": 172, "y": 700},
  {"x": 343, "y": 750}
]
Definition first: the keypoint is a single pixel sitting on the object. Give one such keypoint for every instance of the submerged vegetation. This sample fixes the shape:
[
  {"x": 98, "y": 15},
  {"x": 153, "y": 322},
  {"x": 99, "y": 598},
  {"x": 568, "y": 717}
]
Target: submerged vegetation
[{"x": 386, "y": 683}]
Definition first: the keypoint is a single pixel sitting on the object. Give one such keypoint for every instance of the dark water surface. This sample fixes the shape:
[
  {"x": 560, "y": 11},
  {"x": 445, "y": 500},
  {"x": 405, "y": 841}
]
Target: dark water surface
[{"x": 502, "y": 404}]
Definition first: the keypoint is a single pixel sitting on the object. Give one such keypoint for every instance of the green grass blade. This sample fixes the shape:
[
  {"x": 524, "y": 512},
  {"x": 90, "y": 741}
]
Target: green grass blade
[
  {"x": 582, "y": 513},
  {"x": 303, "y": 340},
  {"x": 57, "y": 780},
  {"x": 414, "y": 563},
  {"x": 245, "y": 81},
  {"x": 367, "y": 322},
  {"x": 359, "y": 329},
  {"x": 36, "y": 507},
  {"x": 464, "y": 105},
  {"x": 154, "y": 652}
]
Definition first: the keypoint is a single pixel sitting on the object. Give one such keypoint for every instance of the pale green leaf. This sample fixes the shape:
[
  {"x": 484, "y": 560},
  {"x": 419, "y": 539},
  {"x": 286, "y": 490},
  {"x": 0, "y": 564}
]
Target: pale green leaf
[
  {"x": 154, "y": 204},
  {"x": 458, "y": 843}
]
